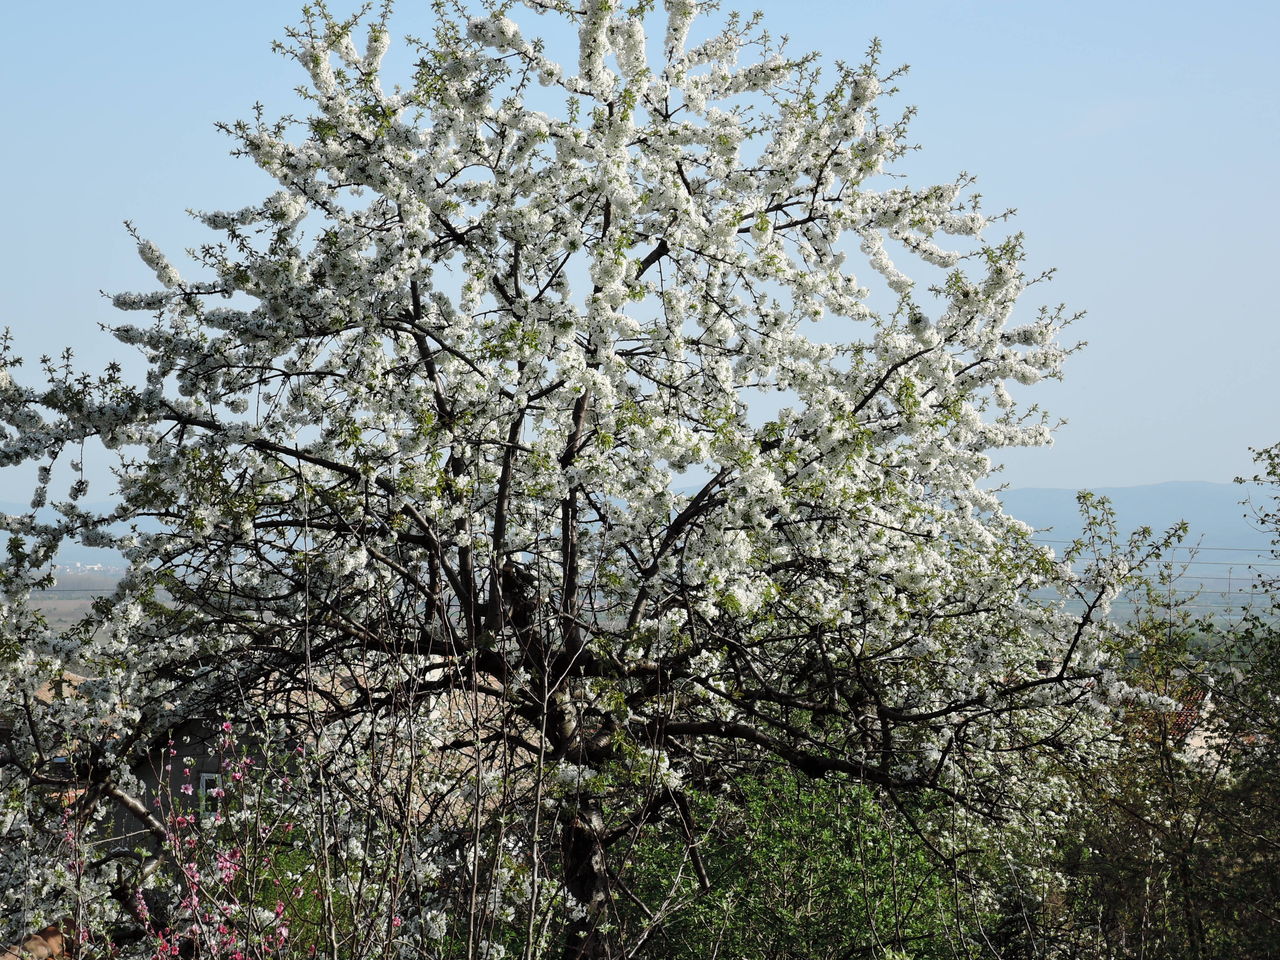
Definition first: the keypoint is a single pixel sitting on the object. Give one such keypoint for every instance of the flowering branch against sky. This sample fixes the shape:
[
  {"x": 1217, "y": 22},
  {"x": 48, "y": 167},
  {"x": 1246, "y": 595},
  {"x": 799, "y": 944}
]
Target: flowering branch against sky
[{"x": 1136, "y": 140}]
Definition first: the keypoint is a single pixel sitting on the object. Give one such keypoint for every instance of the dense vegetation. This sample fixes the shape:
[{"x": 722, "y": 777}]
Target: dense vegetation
[{"x": 543, "y": 540}]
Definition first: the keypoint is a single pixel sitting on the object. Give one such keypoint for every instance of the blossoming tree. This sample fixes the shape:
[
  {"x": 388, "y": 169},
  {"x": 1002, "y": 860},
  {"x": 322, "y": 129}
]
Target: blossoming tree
[{"x": 510, "y": 475}]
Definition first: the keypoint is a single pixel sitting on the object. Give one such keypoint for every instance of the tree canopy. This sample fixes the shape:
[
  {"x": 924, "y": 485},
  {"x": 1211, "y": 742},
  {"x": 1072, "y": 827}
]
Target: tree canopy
[{"x": 557, "y": 446}]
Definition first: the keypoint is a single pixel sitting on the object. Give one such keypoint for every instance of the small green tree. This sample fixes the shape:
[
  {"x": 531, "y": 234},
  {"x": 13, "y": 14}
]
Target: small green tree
[{"x": 787, "y": 866}]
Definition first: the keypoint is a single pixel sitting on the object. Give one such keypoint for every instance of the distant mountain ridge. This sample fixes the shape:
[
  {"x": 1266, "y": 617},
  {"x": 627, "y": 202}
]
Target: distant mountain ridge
[
  {"x": 1224, "y": 563},
  {"x": 1215, "y": 515}
]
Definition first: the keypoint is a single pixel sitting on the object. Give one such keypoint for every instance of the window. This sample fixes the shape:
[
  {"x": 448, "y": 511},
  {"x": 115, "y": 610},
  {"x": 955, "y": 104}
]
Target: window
[{"x": 210, "y": 793}]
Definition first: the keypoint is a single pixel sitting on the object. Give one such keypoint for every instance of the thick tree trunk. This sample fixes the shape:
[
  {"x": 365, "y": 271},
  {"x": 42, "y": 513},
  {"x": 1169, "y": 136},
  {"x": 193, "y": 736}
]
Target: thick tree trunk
[{"x": 587, "y": 880}]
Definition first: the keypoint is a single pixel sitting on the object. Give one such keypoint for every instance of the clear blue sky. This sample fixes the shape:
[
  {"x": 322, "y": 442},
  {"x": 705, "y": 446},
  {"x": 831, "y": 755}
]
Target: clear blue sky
[{"x": 1138, "y": 141}]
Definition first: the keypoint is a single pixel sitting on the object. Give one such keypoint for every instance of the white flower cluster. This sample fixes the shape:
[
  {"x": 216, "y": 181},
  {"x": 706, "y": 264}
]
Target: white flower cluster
[{"x": 575, "y": 444}]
